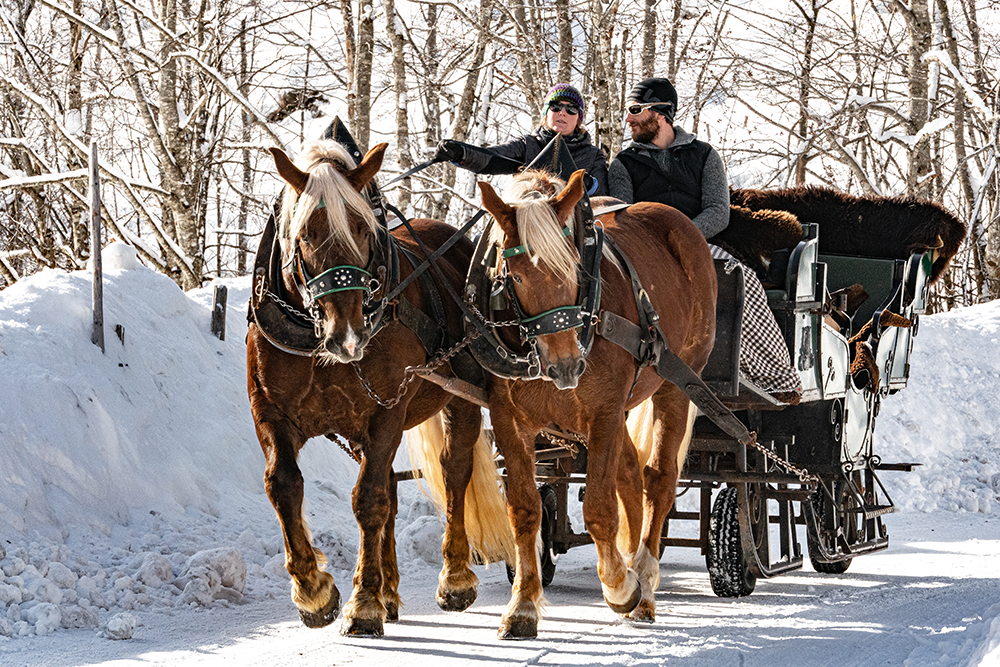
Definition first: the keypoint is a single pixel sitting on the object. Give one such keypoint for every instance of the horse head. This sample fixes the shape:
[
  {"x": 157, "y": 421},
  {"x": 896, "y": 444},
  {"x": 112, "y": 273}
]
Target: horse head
[
  {"x": 540, "y": 263},
  {"x": 329, "y": 242}
]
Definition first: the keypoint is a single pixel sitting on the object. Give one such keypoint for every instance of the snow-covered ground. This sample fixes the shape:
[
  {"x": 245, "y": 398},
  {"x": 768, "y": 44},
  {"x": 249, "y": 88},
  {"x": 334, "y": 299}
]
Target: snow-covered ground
[{"x": 132, "y": 507}]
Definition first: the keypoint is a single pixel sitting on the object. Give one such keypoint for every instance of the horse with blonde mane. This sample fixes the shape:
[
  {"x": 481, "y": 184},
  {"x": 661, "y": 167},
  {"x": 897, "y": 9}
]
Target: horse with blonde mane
[
  {"x": 590, "y": 394},
  {"x": 332, "y": 271}
]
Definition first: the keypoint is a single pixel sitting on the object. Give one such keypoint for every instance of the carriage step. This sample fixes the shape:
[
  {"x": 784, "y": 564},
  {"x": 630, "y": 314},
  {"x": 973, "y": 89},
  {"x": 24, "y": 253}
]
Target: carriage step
[
  {"x": 901, "y": 467},
  {"x": 872, "y": 511}
]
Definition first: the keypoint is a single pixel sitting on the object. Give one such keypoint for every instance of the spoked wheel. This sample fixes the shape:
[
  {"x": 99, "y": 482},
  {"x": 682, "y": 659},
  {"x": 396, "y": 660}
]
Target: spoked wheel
[
  {"x": 548, "y": 529},
  {"x": 839, "y": 520},
  {"x": 728, "y": 568}
]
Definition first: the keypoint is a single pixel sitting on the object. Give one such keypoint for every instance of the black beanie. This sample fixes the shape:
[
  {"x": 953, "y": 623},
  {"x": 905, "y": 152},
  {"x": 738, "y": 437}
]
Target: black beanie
[{"x": 656, "y": 90}]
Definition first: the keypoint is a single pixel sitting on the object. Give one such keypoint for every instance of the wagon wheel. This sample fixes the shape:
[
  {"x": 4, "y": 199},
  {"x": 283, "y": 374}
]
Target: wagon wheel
[
  {"x": 728, "y": 569},
  {"x": 548, "y": 529},
  {"x": 839, "y": 520}
]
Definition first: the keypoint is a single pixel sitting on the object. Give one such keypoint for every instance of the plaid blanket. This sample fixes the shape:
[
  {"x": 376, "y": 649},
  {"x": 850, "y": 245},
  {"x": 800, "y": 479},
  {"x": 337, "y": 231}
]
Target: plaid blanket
[{"x": 764, "y": 357}]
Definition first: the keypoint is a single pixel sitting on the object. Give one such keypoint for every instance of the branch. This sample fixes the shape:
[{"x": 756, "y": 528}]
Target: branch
[
  {"x": 45, "y": 179},
  {"x": 847, "y": 157},
  {"x": 233, "y": 94}
]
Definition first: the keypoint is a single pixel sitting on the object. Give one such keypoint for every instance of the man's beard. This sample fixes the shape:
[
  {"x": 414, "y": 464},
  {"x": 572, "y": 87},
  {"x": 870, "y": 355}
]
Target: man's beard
[{"x": 645, "y": 130}]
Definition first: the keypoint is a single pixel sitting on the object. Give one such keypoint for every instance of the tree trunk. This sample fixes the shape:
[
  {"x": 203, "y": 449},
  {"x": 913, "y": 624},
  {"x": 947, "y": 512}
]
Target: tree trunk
[
  {"x": 347, "y": 13},
  {"x": 241, "y": 239},
  {"x": 605, "y": 84},
  {"x": 529, "y": 86},
  {"x": 918, "y": 23},
  {"x": 675, "y": 31},
  {"x": 648, "y": 66},
  {"x": 403, "y": 157},
  {"x": 563, "y": 21},
  {"x": 363, "y": 77}
]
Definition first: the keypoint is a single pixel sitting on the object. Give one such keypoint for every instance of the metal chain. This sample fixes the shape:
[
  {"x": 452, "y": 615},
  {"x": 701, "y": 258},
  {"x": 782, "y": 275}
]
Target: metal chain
[
  {"x": 350, "y": 452},
  {"x": 566, "y": 444},
  {"x": 410, "y": 373},
  {"x": 482, "y": 318},
  {"x": 802, "y": 473}
]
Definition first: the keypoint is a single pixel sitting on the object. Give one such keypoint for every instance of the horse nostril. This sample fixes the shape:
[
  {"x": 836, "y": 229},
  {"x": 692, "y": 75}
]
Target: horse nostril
[
  {"x": 581, "y": 367},
  {"x": 552, "y": 371}
]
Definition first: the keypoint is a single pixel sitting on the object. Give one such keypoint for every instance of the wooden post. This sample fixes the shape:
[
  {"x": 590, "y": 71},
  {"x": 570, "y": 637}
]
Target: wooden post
[
  {"x": 97, "y": 336},
  {"x": 219, "y": 312}
]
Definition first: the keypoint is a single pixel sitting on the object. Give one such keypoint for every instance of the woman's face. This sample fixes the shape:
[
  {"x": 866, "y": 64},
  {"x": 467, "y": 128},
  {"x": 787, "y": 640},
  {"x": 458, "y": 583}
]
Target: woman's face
[{"x": 562, "y": 117}]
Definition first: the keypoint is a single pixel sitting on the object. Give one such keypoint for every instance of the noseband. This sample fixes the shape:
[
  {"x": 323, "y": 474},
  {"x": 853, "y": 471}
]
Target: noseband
[{"x": 344, "y": 278}]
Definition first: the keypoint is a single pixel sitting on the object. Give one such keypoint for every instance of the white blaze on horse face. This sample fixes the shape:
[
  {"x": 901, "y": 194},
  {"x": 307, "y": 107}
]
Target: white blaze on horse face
[{"x": 351, "y": 341}]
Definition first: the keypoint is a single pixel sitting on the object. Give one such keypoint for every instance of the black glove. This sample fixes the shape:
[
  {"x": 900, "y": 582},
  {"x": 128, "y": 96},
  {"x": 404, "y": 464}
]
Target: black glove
[{"x": 450, "y": 150}]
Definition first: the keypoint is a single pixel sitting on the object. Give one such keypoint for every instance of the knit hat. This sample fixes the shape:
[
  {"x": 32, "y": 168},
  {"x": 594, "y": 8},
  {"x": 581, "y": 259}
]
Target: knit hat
[
  {"x": 656, "y": 90},
  {"x": 564, "y": 91}
]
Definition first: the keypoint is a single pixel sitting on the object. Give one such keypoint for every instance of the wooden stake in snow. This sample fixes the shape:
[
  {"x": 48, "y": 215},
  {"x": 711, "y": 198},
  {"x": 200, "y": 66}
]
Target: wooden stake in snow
[
  {"x": 97, "y": 336},
  {"x": 219, "y": 312}
]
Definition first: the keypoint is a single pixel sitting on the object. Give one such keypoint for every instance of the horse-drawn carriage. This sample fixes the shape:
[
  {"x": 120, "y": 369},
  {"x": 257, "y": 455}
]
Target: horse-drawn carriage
[
  {"x": 553, "y": 289},
  {"x": 813, "y": 464}
]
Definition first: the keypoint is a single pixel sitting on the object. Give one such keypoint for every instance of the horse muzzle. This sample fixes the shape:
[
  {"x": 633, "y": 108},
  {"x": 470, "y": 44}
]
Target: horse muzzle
[
  {"x": 566, "y": 372},
  {"x": 344, "y": 347}
]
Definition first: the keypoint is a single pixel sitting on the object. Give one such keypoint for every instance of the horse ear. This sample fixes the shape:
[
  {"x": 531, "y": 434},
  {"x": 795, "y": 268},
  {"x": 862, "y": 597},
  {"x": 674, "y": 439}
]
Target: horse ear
[
  {"x": 567, "y": 199},
  {"x": 291, "y": 174},
  {"x": 359, "y": 178},
  {"x": 501, "y": 211}
]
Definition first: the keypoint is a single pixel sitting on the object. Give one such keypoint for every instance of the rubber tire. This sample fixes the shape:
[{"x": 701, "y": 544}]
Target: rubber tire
[
  {"x": 549, "y": 559},
  {"x": 728, "y": 569},
  {"x": 819, "y": 502}
]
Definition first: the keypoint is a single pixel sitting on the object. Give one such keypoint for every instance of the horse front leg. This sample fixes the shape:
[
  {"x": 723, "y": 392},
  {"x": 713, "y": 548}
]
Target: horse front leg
[
  {"x": 365, "y": 613},
  {"x": 313, "y": 590},
  {"x": 672, "y": 426},
  {"x": 524, "y": 509},
  {"x": 619, "y": 583},
  {"x": 629, "y": 488},
  {"x": 390, "y": 569},
  {"x": 457, "y": 583}
]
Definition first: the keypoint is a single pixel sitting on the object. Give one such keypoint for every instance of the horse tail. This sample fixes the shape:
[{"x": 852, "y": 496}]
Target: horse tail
[
  {"x": 640, "y": 429},
  {"x": 486, "y": 523},
  {"x": 682, "y": 451},
  {"x": 640, "y": 423}
]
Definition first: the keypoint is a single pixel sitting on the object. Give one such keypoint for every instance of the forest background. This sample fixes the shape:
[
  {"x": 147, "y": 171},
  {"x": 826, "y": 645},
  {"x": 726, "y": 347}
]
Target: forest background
[{"x": 182, "y": 97}]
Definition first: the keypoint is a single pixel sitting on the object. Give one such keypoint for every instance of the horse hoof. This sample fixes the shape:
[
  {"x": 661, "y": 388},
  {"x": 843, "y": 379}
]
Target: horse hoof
[
  {"x": 392, "y": 612},
  {"x": 518, "y": 627},
  {"x": 456, "y": 600},
  {"x": 362, "y": 627},
  {"x": 645, "y": 612},
  {"x": 322, "y": 618},
  {"x": 632, "y": 603}
]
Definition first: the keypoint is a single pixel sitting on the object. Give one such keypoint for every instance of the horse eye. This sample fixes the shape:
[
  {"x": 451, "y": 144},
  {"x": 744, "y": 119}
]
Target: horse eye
[{"x": 516, "y": 278}]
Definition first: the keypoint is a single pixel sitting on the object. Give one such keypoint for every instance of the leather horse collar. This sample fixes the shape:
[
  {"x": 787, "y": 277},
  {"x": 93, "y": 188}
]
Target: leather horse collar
[{"x": 292, "y": 330}]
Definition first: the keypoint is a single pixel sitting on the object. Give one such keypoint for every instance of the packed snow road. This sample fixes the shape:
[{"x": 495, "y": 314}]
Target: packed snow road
[{"x": 930, "y": 599}]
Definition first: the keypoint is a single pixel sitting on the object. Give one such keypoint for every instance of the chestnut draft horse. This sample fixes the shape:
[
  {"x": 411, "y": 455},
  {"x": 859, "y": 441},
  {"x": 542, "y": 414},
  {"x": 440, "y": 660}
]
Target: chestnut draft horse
[
  {"x": 357, "y": 385},
  {"x": 591, "y": 395}
]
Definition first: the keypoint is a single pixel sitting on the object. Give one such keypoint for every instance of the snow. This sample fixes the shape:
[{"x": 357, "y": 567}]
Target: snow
[{"x": 132, "y": 508}]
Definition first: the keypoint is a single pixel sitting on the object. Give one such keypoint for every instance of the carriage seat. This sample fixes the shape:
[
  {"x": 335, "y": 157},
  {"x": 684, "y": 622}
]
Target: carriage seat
[{"x": 722, "y": 372}]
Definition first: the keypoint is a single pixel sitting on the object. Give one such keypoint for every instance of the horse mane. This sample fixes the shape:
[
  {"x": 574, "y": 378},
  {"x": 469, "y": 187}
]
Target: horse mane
[
  {"x": 324, "y": 161},
  {"x": 530, "y": 193},
  {"x": 866, "y": 225}
]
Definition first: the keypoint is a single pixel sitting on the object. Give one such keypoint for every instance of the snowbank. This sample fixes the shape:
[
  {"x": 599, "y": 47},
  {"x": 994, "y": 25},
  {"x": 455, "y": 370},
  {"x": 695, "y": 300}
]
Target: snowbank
[{"x": 132, "y": 480}]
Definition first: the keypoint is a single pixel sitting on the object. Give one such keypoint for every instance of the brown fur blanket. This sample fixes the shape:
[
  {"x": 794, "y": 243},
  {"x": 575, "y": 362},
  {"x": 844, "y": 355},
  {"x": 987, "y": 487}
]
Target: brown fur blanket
[{"x": 866, "y": 226}]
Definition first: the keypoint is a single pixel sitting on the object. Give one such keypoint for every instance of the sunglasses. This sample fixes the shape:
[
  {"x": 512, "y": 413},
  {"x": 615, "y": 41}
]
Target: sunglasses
[
  {"x": 571, "y": 109},
  {"x": 636, "y": 109}
]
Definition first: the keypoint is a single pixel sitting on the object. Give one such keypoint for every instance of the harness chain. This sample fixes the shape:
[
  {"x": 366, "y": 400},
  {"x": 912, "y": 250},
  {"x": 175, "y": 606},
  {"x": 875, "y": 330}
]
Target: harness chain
[
  {"x": 410, "y": 372},
  {"x": 803, "y": 474}
]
